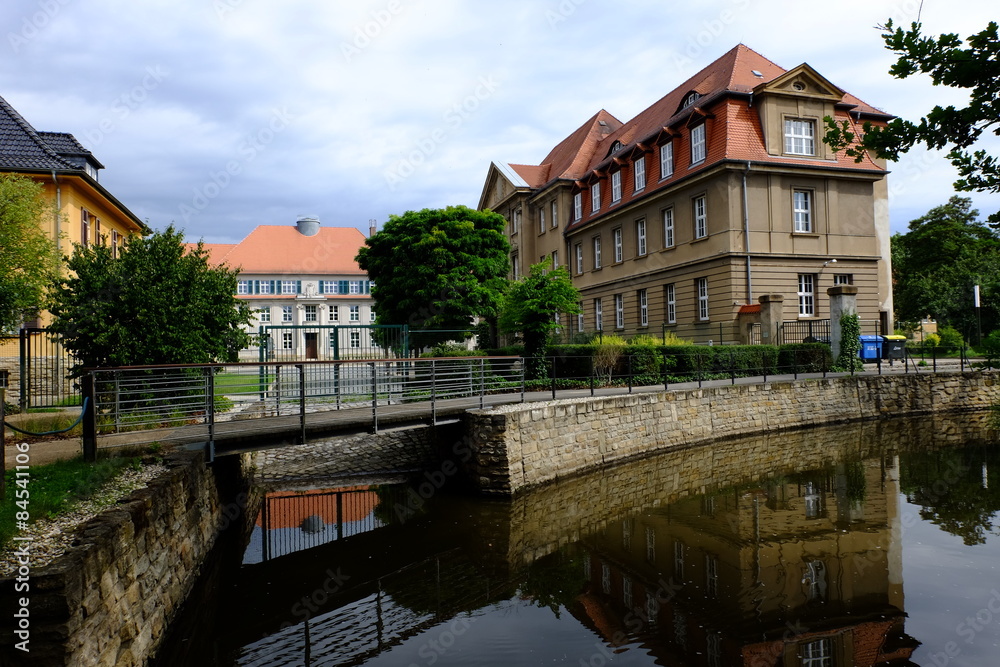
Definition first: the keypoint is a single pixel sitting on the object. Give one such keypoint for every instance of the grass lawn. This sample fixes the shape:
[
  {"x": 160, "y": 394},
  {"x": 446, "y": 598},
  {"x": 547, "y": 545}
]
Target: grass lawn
[
  {"x": 241, "y": 383},
  {"x": 49, "y": 490}
]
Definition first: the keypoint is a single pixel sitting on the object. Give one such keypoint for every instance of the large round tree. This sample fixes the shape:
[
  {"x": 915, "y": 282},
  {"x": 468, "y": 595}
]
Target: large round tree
[{"x": 437, "y": 269}]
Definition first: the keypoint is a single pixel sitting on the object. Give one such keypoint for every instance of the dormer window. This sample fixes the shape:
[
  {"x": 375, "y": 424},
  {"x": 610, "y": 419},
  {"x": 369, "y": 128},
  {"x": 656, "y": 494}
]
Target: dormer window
[
  {"x": 616, "y": 187},
  {"x": 639, "y": 173},
  {"x": 800, "y": 136},
  {"x": 615, "y": 147},
  {"x": 691, "y": 98},
  {"x": 698, "y": 144}
]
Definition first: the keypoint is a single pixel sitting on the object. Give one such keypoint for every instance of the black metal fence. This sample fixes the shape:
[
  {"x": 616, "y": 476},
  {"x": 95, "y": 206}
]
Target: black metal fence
[{"x": 43, "y": 368}]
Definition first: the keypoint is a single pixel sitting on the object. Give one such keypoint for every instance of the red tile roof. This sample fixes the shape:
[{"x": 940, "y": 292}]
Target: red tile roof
[{"x": 282, "y": 249}]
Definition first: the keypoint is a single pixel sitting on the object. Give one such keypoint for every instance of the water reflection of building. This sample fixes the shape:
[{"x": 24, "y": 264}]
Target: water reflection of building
[{"x": 801, "y": 570}]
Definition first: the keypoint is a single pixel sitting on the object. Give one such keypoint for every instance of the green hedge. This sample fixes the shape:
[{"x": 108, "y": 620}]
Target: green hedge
[{"x": 804, "y": 358}]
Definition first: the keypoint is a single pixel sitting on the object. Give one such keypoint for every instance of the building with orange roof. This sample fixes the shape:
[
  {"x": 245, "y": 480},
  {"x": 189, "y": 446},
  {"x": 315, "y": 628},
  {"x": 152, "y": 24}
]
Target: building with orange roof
[
  {"x": 719, "y": 192},
  {"x": 308, "y": 292}
]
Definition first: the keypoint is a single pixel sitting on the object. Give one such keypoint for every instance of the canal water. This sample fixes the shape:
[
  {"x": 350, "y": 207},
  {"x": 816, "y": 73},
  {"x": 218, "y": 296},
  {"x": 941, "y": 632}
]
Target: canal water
[{"x": 866, "y": 544}]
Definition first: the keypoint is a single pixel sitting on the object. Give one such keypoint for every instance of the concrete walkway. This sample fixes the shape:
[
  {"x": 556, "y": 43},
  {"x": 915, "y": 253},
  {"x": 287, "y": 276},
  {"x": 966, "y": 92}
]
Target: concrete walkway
[{"x": 283, "y": 430}]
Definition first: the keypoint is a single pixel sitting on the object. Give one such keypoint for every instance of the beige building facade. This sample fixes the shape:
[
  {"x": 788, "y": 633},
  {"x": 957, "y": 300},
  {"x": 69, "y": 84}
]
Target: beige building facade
[{"x": 720, "y": 192}]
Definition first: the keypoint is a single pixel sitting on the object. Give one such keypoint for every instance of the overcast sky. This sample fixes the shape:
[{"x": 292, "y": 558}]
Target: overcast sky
[{"x": 220, "y": 115}]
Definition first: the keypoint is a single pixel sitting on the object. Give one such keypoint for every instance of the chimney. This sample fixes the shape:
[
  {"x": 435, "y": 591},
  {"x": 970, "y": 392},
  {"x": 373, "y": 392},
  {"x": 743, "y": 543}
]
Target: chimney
[
  {"x": 307, "y": 225},
  {"x": 372, "y": 227}
]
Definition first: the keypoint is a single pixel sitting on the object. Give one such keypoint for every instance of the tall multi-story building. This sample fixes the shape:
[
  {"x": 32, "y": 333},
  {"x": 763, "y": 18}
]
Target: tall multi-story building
[
  {"x": 307, "y": 291},
  {"x": 718, "y": 193},
  {"x": 84, "y": 211}
]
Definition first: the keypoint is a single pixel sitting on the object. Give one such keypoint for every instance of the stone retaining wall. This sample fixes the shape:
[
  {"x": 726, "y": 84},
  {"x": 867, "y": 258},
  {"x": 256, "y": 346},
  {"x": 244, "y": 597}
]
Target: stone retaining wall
[
  {"x": 109, "y": 600},
  {"x": 522, "y": 446}
]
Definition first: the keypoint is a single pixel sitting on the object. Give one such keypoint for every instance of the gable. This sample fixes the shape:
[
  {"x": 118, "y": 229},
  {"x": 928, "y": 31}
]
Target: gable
[{"x": 802, "y": 81}]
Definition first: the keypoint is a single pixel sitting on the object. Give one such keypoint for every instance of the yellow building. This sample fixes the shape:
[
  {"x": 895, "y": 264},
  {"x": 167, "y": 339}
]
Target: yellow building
[{"x": 85, "y": 212}]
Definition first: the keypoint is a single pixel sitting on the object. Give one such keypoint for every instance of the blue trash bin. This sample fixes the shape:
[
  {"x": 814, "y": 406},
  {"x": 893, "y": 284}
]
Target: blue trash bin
[{"x": 871, "y": 348}]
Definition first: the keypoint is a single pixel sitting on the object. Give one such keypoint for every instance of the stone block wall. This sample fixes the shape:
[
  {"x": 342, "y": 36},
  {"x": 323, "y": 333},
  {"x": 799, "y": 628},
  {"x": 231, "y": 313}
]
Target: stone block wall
[
  {"x": 522, "y": 446},
  {"x": 109, "y": 600}
]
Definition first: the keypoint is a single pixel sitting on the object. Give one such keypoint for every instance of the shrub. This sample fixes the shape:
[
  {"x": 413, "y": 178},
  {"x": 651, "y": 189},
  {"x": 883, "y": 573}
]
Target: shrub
[
  {"x": 950, "y": 337},
  {"x": 805, "y": 358}
]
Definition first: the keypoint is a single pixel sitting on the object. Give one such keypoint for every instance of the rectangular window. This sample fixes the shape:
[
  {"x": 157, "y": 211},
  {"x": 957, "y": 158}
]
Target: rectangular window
[
  {"x": 843, "y": 279},
  {"x": 595, "y": 197},
  {"x": 619, "y": 311},
  {"x": 355, "y": 314},
  {"x": 311, "y": 314},
  {"x": 555, "y": 214},
  {"x": 697, "y": 144},
  {"x": 598, "y": 315},
  {"x": 802, "y": 210},
  {"x": 678, "y": 560},
  {"x": 666, "y": 160},
  {"x": 800, "y": 137},
  {"x": 517, "y": 220},
  {"x": 643, "y": 308},
  {"x": 579, "y": 318},
  {"x": 597, "y": 252},
  {"x": 84, "y": 228},
  {"x": 701, "y": 287},
  {"x": 650, "y": 544},
  {"x": 334, "y": 313},
  {"x": 555, "y": 259},
  {"x": 817, "y": 654},
  {"x": 616, "y": 236},
  {"x": 355, "y": 287},
  {"x": 264, "y": 314},
  {"x": 640, "y": 237},
  {"x": 578, "y": 206},
  {"x": 289, "y": 287},
  {"x": 371, "y": 316},
  {"x": 670, "y": 297},
  {"x": 264, "y": 287},
  {"x": 711, "y": 576},
  {"x": 807, "y": 299},
  {"x": 114, "y": 243},
  {"x": 286, "y": 340},
  {"x": 668, "y": 228},
  {"x": 616, "y": 187},
  {"x": 243, "y": 287},
  {"x": 286, "y": 313},
  {"x": 541, "y": 221},
  {"x": 515, "y": 265},
  {"x": 640, "y": 173},
  {"x": 578, "y": 250},
  {"x": 700, "y": 218},
  {"x": 355, "y": 339}
]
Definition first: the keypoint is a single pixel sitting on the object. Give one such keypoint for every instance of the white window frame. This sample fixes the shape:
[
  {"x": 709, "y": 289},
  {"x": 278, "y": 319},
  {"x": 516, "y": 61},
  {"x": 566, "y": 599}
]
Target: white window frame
[
  {"x": 555, "y": 213},
  {"x": 700, "y": 212},
  {"x": 355, "y": 287},
  {"x": 616, "y": 237},
  {"x": 541, "y": 220},
  {"x": 371, "y": 315},
  {"x": 640, "y": 237},
  {"x": 555, "y": 259},
  {"x": 597, "y": 252},
  {"x": 287, "y": 343},
  {"x": 619, "y": 311},
  {"x": 264, "y": 315},
  {"x": 698, "y": 147},
  {"x": 616, "y": 187},
  {"x": 354, "y": 314},
  {"x": 670, "y": 297},
  {"x": 579, "y": 319},
  {"x": 807, "y": 294},
  {"x": 355, "y": 340},
  {"x": 243, "y": 287},
  {"x": 639, "y": 173},
  {"x": 666, "y": 160},
  {"x": 265, "y": 286},
  {"x": 802, "y": 211},
  {"x": 311, "y": 313},
  {"x": 669, "y": 239},
  {"x": 286, "y": 314},
  {"x": 598, "y": 314},
  {"x": 679, "y": 560},
  {"x": 578, "y": 249},
  {"x": 817, "y": 653},
  {"x": 800, "y": 136},
  {"x": 701, "y": 289},
  {"x": 643, "y": 299},
  {"x": 334, "y": 313},
  {"x": 595, "y": 197},
  {"x": 578, "y": 206},
  {"x": 289, "y": 287},
  {"x": 843, "y": 279}
]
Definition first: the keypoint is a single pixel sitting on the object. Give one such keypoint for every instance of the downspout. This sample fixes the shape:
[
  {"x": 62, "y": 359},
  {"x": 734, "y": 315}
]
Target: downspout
[
  {"x": 746, "y": 235},
  {"x": 55, "y": 180}
]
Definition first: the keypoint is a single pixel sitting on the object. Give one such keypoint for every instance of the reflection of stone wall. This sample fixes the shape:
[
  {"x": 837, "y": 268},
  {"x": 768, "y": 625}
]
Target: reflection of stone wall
[
  {"x": 548, "y": 517},
  {"x": 522, "y": 446}
]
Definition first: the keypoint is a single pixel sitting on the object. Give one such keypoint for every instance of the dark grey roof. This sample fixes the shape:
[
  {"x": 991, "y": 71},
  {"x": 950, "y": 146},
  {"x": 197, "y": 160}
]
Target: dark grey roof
[
  {"x": 21, "y": 146},
  {"x": 66, "y": 146}
]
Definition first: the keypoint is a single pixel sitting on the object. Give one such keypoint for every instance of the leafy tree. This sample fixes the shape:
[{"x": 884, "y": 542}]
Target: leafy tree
[
  {"x": 28, "y": 258},
  {"x": 937, "y": 262},
  {"x": 437, "y": 269},
  {"x": 156, "y": 303},
  {"x": 950, "y": 62},
  {"x": 532, "y": 303}
]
